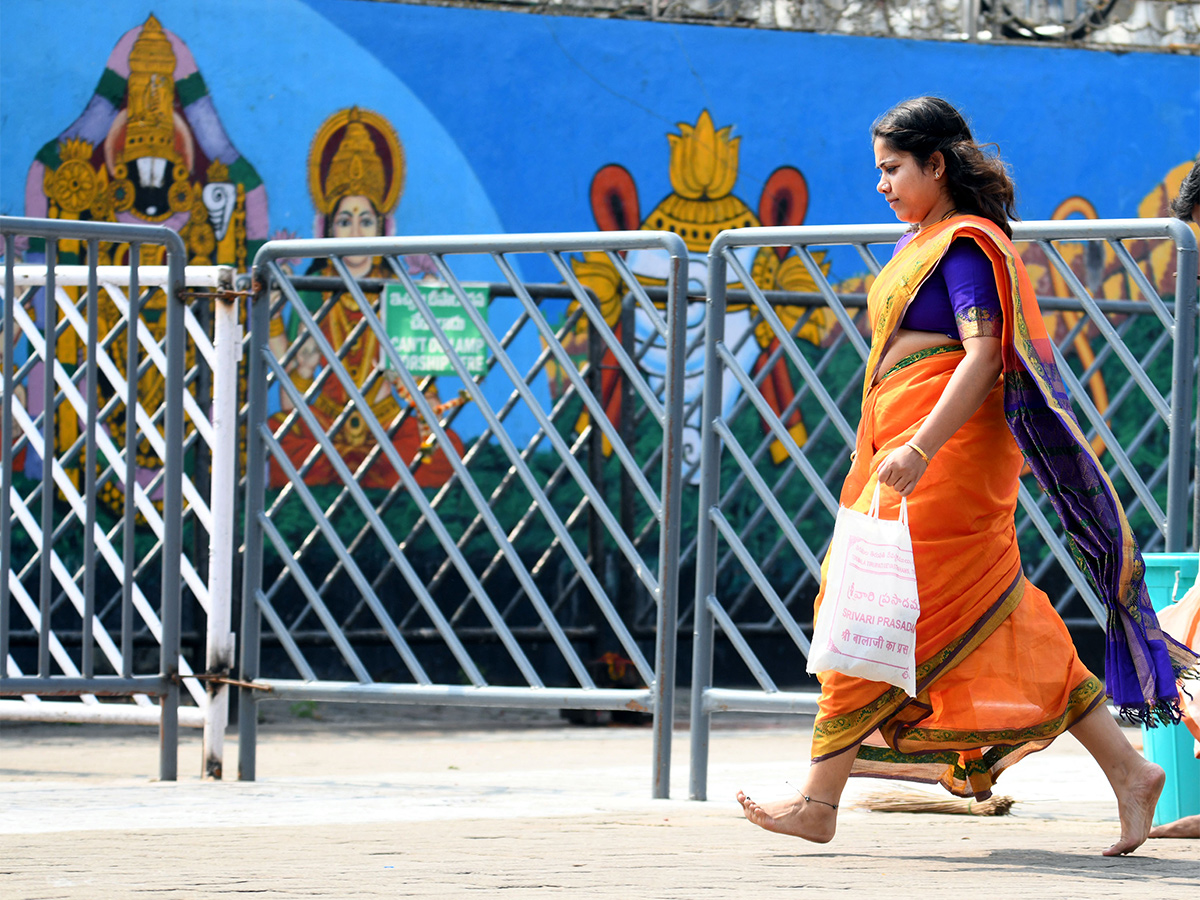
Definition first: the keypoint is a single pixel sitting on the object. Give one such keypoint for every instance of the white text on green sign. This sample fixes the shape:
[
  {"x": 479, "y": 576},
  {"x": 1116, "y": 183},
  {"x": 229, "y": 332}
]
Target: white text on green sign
[{"x": 420, "y": 352}]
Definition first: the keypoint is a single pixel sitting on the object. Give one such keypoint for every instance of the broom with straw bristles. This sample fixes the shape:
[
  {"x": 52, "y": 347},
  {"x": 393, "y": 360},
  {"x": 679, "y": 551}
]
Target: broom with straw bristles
[{"x": 914, "y": 801}]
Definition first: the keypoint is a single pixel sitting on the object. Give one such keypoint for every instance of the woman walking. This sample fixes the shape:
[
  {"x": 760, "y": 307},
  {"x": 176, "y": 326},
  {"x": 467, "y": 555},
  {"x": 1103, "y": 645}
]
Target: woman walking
[{"x": 998, "y": 676}]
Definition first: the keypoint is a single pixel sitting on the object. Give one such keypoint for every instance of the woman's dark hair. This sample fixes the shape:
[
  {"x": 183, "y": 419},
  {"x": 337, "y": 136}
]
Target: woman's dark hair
[
  {"x": 979, "y": 182},
  {"x": 1189, "y": 195}
]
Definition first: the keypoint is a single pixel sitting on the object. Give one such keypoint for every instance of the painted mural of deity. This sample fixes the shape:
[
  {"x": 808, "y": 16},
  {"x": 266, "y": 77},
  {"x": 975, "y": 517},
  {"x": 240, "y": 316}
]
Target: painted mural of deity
[
  {"x": 356, "y": 171},
  {"x": 149, "y": 148},
  {"x": 703, "y": 172},
  {"x": 1102, "y": 272}
]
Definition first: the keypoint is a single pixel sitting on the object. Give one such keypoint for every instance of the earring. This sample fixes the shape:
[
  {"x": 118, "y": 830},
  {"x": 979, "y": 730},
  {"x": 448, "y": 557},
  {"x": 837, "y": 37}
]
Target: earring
[{"x": 937, "y": 174}]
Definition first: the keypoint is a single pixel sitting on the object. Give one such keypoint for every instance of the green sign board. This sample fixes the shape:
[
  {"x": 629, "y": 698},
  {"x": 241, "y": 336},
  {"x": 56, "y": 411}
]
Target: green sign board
[{"x": 410, "y": 334}]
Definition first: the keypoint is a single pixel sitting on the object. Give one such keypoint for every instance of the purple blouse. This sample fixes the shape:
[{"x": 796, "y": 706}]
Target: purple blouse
[{"x": 959, "y": 297}]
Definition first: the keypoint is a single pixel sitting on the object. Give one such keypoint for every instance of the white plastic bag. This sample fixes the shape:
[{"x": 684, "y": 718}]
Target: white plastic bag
[{"x": 867, "y": 626}]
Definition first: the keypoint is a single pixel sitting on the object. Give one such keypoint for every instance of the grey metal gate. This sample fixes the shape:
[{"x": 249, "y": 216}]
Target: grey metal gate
[
  {"x": 80, "y": 424},
  {"x": 764, "y": 528},
  {"x": 488, "y": 571}
]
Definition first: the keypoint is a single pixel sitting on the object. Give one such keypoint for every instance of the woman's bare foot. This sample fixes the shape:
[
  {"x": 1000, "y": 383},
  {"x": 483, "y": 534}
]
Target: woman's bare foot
[
  {"x": 1136, "y": 799},
  {"x": 795, "y": 816},
  {"x": 1187, "y": 827}
]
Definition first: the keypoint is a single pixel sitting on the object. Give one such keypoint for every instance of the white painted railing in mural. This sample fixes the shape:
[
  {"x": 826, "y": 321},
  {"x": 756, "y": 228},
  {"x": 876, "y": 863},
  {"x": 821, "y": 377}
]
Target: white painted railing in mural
[{"x": 213, "y": 513}]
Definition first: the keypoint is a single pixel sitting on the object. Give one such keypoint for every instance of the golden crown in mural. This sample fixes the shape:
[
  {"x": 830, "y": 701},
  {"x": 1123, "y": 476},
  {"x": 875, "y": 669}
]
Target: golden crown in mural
[
  {"x": 356, "y": 166},
  {"x": 704, "y": 161},
  {"x": 151, "y": 124},
  {"x": 704, "y": 169}
]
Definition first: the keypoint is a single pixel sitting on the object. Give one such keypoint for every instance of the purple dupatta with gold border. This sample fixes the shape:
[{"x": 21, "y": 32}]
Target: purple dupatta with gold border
[{"x": 1141, "y": 661}]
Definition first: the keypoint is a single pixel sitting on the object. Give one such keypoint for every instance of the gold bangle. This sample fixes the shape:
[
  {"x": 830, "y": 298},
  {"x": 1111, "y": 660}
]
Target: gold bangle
[{"x": 921, "y": 453}]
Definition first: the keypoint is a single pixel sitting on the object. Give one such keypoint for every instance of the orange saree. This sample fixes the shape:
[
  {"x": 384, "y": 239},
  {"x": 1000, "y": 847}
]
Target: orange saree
[{"x": 998, "y": 675}]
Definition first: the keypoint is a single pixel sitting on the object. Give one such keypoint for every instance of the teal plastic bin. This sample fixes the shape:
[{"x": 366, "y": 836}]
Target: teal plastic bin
[{"x": 1168, "y": 577}]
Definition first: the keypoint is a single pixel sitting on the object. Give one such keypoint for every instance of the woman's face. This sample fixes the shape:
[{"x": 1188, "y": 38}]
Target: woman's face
[
  {"x": 355, "y": 217},
  {"x": 915, "y": 195}
]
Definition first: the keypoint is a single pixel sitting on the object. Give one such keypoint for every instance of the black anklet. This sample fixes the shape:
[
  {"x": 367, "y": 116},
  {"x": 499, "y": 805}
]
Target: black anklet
[{"x": 808, "y": 799}]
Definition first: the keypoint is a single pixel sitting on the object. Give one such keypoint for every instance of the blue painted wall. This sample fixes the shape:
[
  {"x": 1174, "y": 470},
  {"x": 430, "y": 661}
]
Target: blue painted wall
[
  {"x": 574, "y": 94},
  {"x": 505, "y": 117}
]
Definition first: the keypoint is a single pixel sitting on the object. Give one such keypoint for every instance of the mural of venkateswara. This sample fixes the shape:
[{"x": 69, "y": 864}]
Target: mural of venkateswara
[{"x": 149, "y": 148}]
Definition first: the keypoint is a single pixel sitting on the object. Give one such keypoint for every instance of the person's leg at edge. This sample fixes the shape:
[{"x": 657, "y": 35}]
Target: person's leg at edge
[
  {"x": 1187, "y": 827},
  {"x": 814, "y": 819},
  {"x": 1136, "y": 781}
]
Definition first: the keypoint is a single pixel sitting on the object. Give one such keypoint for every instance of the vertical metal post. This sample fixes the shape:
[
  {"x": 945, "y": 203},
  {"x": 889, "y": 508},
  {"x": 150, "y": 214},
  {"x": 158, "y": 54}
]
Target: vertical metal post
[
  {"x": 172, "y": 584},
  {"x": 256, "y": 387},
  {"x": 1182, "y": 379},
  {"x": 706, "y": 537},
  {"x": 6, "y": 447},
  {"x": 1181, "y": 386},
  {"x": 627, "y": 585},
  {"x": 970, "y": 19},
  {"x": 91, "y": 380},
  {"x": 667, "y": 638},
  {"x": 227, "y": 349},
  {"x": 128, "y": 546},
  {"x": 595, "y": 445},
  {"x": 49, "y": 492},
  {"x": 1196, "y": 482}
]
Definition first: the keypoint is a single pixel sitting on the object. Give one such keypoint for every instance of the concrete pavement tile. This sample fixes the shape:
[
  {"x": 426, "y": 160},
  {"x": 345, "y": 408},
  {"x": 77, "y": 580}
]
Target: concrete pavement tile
[{"x": 343, "y": 812}]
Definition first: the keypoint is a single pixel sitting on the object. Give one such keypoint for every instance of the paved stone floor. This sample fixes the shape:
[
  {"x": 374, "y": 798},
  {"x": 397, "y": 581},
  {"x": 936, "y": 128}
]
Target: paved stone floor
[{"x": 439, "y": 804}]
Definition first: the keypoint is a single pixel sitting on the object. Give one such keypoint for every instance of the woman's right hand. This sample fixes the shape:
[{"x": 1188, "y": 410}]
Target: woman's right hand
[{"x": 902, "y": 469}]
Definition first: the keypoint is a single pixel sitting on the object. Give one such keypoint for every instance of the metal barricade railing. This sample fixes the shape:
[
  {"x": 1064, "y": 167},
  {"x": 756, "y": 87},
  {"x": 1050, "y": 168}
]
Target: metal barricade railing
[
  {"x": 1128, "y": 360},
  {"x": 490, "y": 569},
  {"x": 207, "y": 564},
  {"x": 395, "y": 562},
  {"x": 73, "y": 571}
]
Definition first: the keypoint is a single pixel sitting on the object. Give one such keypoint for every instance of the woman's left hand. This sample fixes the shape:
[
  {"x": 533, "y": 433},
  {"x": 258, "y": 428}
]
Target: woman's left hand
[{"x": 902, "y": 469}]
